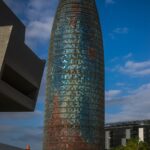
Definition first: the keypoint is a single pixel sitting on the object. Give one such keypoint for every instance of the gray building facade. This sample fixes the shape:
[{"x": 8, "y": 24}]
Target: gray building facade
[
  {"x": 117, "y": 134},
  {"x": 20, "y": 69}
]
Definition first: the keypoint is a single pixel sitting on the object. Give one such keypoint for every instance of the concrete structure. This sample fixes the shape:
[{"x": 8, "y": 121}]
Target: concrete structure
[
  {"x": 20, "y": 69},
  {"x": 8, "y": 147},
  {"x": 117, "y": 134},
  {"x": 74, "y": 118}
]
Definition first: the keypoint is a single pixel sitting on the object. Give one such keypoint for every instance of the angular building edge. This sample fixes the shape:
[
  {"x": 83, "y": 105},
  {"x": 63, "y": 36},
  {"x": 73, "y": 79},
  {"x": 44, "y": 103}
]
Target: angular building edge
[{"x": 20, "y": 68}]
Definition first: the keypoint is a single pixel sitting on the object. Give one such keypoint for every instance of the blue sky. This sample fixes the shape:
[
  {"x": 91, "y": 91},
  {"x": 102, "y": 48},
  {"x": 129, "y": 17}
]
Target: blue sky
[{"x": 126, "y": 28}]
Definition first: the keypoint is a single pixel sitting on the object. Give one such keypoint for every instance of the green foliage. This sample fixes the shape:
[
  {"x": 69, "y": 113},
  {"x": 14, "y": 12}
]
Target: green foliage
[{"x": 134, "y": 144}]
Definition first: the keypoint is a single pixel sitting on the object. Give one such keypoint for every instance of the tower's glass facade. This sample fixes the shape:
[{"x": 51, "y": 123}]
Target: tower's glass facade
[{"x": 74, "y": 118}]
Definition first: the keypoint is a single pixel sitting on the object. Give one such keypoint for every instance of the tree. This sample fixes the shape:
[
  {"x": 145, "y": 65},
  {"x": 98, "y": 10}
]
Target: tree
[{"x": 134, "y": 144}]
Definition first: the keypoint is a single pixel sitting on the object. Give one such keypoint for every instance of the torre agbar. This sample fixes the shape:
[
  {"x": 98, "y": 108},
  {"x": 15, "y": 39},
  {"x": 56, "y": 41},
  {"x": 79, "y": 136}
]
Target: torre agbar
[{"x": 74, "y": 118}]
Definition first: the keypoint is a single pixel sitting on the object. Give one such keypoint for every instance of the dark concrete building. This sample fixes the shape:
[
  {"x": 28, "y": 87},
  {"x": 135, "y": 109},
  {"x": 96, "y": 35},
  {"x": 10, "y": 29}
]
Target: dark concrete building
[
  {"x": 20, "y": 69},
  {"x": 74, "y": 118},
  {"x": 8, "y": 147},
  {"x": 117, "y": 134}
]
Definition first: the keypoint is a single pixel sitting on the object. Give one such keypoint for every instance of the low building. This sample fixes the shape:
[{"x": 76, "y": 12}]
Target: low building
[
  {"x": 8, "y": 147},
  {"x": 20, "y": 69},
  {"x": 117, "y": 134}
]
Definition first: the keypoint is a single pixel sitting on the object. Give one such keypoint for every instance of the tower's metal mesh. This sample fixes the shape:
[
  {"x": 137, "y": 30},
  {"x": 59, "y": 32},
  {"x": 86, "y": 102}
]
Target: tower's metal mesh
[{"x": 74, "y": 118}]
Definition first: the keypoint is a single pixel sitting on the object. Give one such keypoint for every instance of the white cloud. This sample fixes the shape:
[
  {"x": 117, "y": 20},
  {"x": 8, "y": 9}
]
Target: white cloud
[
  {"x": 111, "y": 94},
  {"x": 21, "y": 136},
  {"x": 136, "y": 68},
  {"x": 38, "y": 18},
  {"x": 19, "y": 129},
  {"x": 135, "y": 106},
  {"x": 129, "y": 55},
  {"x": 116, "y": 59},
  {"x": 40, "y": 15},
  {"x": 20, "y": 115},
  {"x": 109, "y": 1},
  {"x": 119, "y": 31},
  {"x": 123, "y": 30},
  {"x": 120, "y": 84},
  {"x": 39, "y": 30}
]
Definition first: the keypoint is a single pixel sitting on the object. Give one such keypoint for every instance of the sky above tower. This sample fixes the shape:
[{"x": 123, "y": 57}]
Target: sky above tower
[{"x": 126, "y": 27}]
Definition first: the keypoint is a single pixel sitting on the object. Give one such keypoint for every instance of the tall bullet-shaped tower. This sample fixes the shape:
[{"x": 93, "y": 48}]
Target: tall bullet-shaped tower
[{"x": 74, "y": 118}]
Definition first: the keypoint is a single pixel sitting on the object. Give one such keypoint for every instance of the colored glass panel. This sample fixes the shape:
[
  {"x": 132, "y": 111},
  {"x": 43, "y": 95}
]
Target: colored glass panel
[{"x": 74, "y": 118}]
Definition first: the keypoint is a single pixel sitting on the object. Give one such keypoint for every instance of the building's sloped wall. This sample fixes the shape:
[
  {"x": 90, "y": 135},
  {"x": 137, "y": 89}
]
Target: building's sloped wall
[
  {"x": 4, "y": 39},
  {"x": 20, "y": 68},
  {"x": 74, "y": 118}
]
